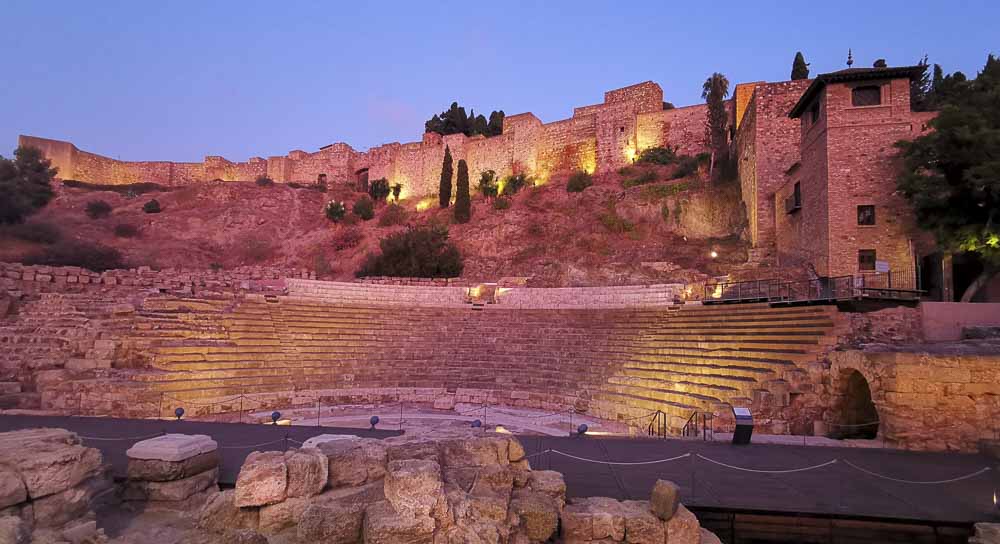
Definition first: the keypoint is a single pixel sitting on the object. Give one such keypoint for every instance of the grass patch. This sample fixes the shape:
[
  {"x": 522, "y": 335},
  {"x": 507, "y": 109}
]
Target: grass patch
[
  {"x": 96, "y": 209},
  {"x": 614, "y": 222},
  {"x": 126, "y": 189},
  {"x": 35, "y": 231},
  {"x": 644, "y": 178},
  {"x": 579, "y": 181},
  {"x": 392, "y": 215},
  {"x": 126, "y": 230},
  {"x": 87, "y": 255}
]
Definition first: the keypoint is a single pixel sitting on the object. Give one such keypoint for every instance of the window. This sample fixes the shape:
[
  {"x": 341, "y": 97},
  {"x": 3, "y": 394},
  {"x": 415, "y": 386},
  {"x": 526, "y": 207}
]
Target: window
[
  {"x": 621, "y": 130},
  {"x": 814, "y": 113},
  {"x": 794, "y": 201},
  {"x": 866, "y": 215},
  {"x": 866, "y": 259},
  {"x": 870, "y": 95}
]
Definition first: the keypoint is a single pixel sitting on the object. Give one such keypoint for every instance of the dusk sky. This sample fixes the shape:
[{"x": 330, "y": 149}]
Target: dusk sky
[{"x": 180, "y": 80}]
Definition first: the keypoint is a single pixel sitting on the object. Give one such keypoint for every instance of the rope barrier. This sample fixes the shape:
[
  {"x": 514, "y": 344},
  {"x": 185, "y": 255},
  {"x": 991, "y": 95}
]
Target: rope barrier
[
  {"x": 124, "y": 439},
  {"x": 856, "y": 424},
  {"x": 760, "y": 471},
  {"x": 931, "y": 482},
  {"x": 623, "y": 463},
  {"x": 238, "y": 397},
  {"x": 247, "y": 446}
]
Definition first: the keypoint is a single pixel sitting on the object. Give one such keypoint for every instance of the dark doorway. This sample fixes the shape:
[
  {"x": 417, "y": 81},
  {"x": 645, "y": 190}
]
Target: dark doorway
[
  {"x": 361, "y": 183},
  {"x": 858, "y": 416}
]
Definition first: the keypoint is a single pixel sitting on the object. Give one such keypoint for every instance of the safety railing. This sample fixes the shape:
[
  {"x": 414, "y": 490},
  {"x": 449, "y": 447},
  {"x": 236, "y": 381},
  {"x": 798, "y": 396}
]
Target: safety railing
[
  {"x": 700, "y": 423},
  {"x": 658, "y": 425},
  {"x": 895, "y": 285}
]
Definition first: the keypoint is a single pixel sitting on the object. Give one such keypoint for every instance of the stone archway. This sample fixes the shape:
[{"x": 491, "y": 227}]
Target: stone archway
[{"x": 856, "y": 415}]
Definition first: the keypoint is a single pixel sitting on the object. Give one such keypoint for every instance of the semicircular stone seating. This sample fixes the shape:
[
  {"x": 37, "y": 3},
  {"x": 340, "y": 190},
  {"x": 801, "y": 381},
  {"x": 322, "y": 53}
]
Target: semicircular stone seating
[{"x": 380, "y": 344}]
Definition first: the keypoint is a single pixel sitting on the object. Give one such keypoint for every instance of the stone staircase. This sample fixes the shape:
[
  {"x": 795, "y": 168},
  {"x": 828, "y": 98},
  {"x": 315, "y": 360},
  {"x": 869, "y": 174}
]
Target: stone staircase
[{"x": 614, "y": 363}]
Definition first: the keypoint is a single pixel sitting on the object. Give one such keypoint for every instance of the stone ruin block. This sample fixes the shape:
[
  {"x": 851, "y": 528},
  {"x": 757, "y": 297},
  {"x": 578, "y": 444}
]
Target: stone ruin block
[{"x": 173, "y": 470}]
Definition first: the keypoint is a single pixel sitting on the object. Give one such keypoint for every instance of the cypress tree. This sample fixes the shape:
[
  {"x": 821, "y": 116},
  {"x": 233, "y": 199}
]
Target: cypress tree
[
  {"x": 714, "y": 91},
  {"x": 463, "y": 201},
  {"x": 444, "y": 192},
  {"x": 800, "y": 70}
]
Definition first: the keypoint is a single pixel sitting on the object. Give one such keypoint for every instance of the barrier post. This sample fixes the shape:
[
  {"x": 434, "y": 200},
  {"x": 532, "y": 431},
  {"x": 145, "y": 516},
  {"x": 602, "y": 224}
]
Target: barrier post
[
  {"x": 319, "y": 405},
  {"x": 241, "y": 406}
]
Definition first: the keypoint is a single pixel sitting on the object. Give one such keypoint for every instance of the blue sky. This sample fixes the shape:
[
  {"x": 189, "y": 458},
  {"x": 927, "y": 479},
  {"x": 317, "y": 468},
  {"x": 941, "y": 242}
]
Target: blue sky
[{"x": 180, "y": 80}]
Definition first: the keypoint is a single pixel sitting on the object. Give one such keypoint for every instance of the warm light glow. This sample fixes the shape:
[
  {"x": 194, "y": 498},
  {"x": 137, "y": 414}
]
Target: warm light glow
[
  {"x": 500, "y": 429},
  {"x": 630, "y": 155},
  {"x": 474, "y": 292},
  {"x": 718, "y": 291},
  {"x": 714, "y": 254},
  {"x": 541, "y": 178},
  {"x": 425, "y": 203}
]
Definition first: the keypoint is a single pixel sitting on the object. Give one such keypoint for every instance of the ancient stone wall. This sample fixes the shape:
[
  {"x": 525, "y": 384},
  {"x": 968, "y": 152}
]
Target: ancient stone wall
[{"x": 598, "y": 137}]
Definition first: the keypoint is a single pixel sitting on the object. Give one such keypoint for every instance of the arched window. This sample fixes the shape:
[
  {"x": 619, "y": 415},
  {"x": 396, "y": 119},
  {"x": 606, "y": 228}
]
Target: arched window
[{"x": 869, "y": 95}]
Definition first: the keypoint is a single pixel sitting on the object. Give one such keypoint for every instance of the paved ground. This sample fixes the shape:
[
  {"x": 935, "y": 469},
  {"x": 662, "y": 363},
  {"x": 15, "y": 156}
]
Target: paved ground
[{"x": 835, "y": 489}]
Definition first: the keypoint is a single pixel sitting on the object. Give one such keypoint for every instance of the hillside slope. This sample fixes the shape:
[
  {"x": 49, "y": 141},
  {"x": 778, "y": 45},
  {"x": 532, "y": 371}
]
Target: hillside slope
[{"x": 657, "y": 232}]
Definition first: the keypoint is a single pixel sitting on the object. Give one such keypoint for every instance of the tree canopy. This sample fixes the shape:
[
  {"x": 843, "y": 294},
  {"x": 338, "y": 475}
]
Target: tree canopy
[
  {"x": 444, "y": 188},
  {"x": 463, "y": 200},
  {"x": 714, "y": 91},
  {"x": 25, "y": 184},
  {"x": 454, "y": 120},
  {"x": 800, "y": 69},
  {"x": 951, "y": 175}
]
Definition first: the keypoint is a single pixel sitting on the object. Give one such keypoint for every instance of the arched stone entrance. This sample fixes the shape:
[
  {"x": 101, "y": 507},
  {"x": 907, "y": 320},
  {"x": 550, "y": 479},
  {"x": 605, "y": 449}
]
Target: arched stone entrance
[{"x": 856, "y": 415}]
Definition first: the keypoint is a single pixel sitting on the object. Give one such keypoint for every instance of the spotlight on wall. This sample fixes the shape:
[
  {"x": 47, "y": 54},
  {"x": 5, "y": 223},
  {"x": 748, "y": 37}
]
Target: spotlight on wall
[
  {"x": 582, "y": 429},
  {"x": 714, "y": 254},
  {"x": 477, "y": 424},
  {"x": 374, "y": 421},
  {"x": 275, "y": 416},
  {"x": 179, "y": 413}
]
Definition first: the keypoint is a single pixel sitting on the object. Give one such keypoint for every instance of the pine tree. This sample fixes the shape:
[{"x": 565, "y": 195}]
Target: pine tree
[
  {"x": 444, "y": 192},
  {"x": 714, "y": 91},
  {"x": 463, "y": 200},
  {"x": 495, "y": 125},
  {"x": 800, "y": 70}
]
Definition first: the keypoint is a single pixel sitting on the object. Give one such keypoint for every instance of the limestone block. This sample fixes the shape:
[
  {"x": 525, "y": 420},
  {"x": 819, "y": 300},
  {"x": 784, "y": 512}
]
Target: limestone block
[
  {"x": 462, "y": 478},
  {"x": 315, "y": 441},
  {"x": 262, "y": 480},
  {"x": 538, "y": 514},
  {"x": 220, "y": 514},
  {"x": 155, "y": 470},
  {"x": 593, "y": 518},
  {"x": 277, "y": 517},
  {"x": 494, "y": 480},
  {"x": 12, "y": 489},
  {"x": 13, "y": 530},
  {"x": 308, "y": 470},
  {"x": 172, "y": 491},
  {"x": 172, "y": 447},
  {"x": 414, "y": 486},
  {"x": 986, "y": 533},
  {"x": 333, "y": 523},
  {"x": 81, "y": 532},
  {"x": 474, "y": 452},
  {"x": 683, "y": 527},
  {"x": 354, "y": 462},
  {"x": 641, "y": 526},
  {"x": 60, "y": 508},
  {"x": 383, "y": 525},
  {"x": 664, "y": 499},
  {"x": 415, "y": 450},
  {"x": 50, "y": 467},
  {"x": 548, "y": 482}
]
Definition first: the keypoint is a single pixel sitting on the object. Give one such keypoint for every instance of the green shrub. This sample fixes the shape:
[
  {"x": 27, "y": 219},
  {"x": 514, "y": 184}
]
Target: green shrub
[
  {"x": 379, "y": 190},
  {"x": 126, "y": 230},
  {"x": 614, "y": 222},
  {"x": 501, "y": 203},
  {"x": 35, "y": 231},
  {"x": 393, "y": 214},
  {"x": 422, "y": 252},
  {"x": 658, "y": 192},
  {"x": 648, "y": 176},
  {"x": 626, "y": 171},
  {"x": 665, "y": 212},
  {"x": 397, "y": 189},
  {"x": 25, "y": 184},
  {"x": 513, "y": 184},
  {"x": 487, "y": 184},
  {"x": 125, "y": 189},
  {"x": 335, "y": 210},
  {"x": 657, "y": 155},
  {"x": 97, "y": 209},
  {"x": 688, "y": 165},
  {"x": 348, "y": 238},
  {"x": 364, "y": 208},
  {"x": 215, "y": 266},
  {"x": 264, "y": 181},
  {"x": 153, "y": 206},
  {"x": 579, "y": 181},
  {"x": 463, "y": 200},
  {"x": 91, "y": 256}
]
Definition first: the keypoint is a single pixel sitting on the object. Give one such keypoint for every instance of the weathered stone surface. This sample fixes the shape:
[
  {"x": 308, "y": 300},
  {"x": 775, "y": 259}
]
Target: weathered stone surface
[
  {"x": 353, "y": 463},
  {"x": 331, "y": 523},
  {"x": 986, "y": 533},
  {"x": 220, "y": 514},
  {"x": 683, "y": 527},
  {"x": 641, "y": 526},
  {"x": 429, "y": 450},
  {"x": 50, "y": 467},
  {"x": 172, "y": 447},
  {"x": 664, "y": 499},
  {"x": 414, "y": 486},
  {"x": 708, "y": 537},
  {"x": 275, "y": 518},
  {"x": 60, "y": 508},
  {"x": 315, "y": 441},
  {"x": 308, "y": 470},
  {"x": 593, "y": 518},
  {"x": 14, "y": 531},
  {"x": 174, "y": 490},
  {"x": 81, "y": 533},
  {"x": 12, "y": 489},
  {"x": 495, "y": 480},
  {"x": 383, "y": 525},
  {"x": 538, "y": 514},
  {"x": 548, "y": 482},
  {"x": 263, "y": 479},
  {"x": 462, "y": 478},
  {"x": 474, "y": 452},
  {"x": 156, "y": 470}
]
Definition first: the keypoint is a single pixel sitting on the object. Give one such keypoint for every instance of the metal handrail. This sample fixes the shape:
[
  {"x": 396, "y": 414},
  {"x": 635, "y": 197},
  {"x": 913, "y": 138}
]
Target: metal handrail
[
  {"x": 894, "y": 283},
  {"x": 658, "y": 424}
]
